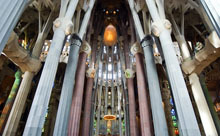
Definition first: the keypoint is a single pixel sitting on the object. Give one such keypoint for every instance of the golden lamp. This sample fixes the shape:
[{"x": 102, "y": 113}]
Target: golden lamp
[{"x": 110, "y": 35}]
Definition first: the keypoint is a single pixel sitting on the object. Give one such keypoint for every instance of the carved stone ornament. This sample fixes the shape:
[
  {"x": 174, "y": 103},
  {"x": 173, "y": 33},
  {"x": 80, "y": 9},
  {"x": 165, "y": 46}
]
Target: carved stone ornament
[
  {"x": 85, "y": 48},
  {"x": 136, "y": 48},
  {"x": 65, "y": 24},
  {"x": 91, "y": 72},
  {"x": 159, "y": 26},
  {"x": 129, "y": 73}
]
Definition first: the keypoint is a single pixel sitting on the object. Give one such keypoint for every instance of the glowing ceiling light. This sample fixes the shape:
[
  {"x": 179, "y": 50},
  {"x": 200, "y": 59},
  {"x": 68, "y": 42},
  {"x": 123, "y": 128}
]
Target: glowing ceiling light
[{"x": 110, "y": 35}]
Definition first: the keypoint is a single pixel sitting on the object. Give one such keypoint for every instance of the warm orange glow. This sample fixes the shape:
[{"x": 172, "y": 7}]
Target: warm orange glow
[
  {"x": 109, "y": 117},
  {"x": 110, "y": 35}
]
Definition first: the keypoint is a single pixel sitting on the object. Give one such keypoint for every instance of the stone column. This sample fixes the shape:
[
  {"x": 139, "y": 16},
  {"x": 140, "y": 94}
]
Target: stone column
[
  {"x": 17, "y": 109},
  {"x": 62, "y": 28},
  {"x": 10, "y": 100},
  {"x": 132, "y": 104},
  {"x": 205, "y": 115},
  {"x": 25, "y": 86},
  {"x": 67, "y": 88},
  {"x": 39, "y": 106},
  {"x": 10, "y": 13},
  {"x": 144, "y": 106},
  {"x": 162, "y": 28},
  {"x": 88, "y": 102},
  {"x": 75, "y": 111},
  {"x": 129, "y": 74},
  {"x": 160, "y": 125},
  {"x": 210, "y": 103}
]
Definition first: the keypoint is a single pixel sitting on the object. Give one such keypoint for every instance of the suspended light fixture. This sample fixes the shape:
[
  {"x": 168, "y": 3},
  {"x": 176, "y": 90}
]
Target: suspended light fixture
[
  {"x": 109, "y": 118},
  {"x": 110, "y": 35}
]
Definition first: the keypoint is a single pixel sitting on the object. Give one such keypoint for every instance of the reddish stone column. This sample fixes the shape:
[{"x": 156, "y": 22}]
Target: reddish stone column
[
  {"x": 88, "y": 102},
  {"x": 132, "y": 107},
  {"x": 144, "y": 106},
  {"x": 75, "y": 111},
  {"x": 129, "y": 74}
]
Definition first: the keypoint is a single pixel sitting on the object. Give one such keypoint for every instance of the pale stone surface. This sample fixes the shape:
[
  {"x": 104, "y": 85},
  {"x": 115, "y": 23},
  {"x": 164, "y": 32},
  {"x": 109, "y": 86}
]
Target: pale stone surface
[
  {"x": 204, "y": 57},
  {"x": 205, "y": 115},
  {"x": 20, "y": 56}
]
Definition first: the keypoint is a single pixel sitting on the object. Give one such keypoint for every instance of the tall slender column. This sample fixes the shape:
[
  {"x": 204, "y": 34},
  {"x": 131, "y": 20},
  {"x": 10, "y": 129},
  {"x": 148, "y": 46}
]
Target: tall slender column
[
  {"x": 67, "y": 88},
  {"x": 162, "y": 28},
  {"x": 160, "y": 125},
  {"x": 89, "y": 92},
  {"x": 180, "y": 38},
  {"x": 68, "y": 85},
  {"x": 99, "y": 93},
  {"x": 10, "y": 100},
  {"x": 39, "y": 106},
  {"x": 129, "y": 74},
  {"x": 145, "y": 117},
  {"x": 88, "y": 102},
  {"x": 205, "y": 115},
  {"x": 210, "y": 103},
  {"x": 62, "y": 28},
  {"x": 75, "y": 111},
  {"x": 17, "y": 109},
  {"x": 25, "y": 86}
]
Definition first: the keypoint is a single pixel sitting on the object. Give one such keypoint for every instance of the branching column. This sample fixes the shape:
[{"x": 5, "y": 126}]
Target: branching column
[
  {"x": 75, "y": 111},
  {"x": 25, "y": 86},
  {"x": 62, "y": 28},
  {"x": 162, "y": 28},
  {"x": 145, "y": 117},
  {"x": 69, "y": 79},
  {"x": 205, "y": 115}
]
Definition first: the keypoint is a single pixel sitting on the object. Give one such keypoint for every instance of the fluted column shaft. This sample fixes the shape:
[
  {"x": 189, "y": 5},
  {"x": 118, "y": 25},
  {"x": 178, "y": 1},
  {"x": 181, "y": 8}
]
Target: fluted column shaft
[
  {"x": 75, "y": 111},
  {"x": 132, "y": 107},
  {"x": 87, "y": 107},
  {"x": 62, "y": 28},
  {"x": 162, "y": 28},
  {"x": 210, "y": 103},
  {"x": 160, "y": 125},
  {"x": 144, "y": 106},
  {"x": 67, "y": 88},
  {"x": 40, "y": 103},
  {"x": 205, "y": 115}
]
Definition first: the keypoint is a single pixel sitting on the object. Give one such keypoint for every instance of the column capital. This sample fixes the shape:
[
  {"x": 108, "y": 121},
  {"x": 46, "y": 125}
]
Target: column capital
[
  {"x": 147, "y": 41},
  {"x": 91, "y": 72},
  {"x": 129, "y": 73},
  {"x": 65, "y": 24},
  {"x": 158, "y": 26},
  {"x": 136, "y": 48},
  {"x": 86, "y": 48},
  {"x": 75, "y": 40}
]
